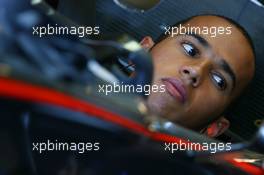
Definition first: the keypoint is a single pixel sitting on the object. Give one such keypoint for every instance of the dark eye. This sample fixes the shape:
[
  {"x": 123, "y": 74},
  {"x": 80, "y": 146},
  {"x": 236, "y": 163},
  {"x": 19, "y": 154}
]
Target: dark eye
[
  {"x": 190, "y": 49},
  {"x": 219, "y": 81}
]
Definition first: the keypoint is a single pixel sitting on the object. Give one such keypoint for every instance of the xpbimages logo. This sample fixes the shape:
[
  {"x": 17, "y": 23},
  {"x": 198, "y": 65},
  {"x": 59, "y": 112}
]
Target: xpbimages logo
[
  {"x": 192, "y": 146},
  {"x": 127, "y": 88},
  {"x": 211, "y": 31},
  {"x": 79, "y": 31},
  {"x": 80, "y": 147}
]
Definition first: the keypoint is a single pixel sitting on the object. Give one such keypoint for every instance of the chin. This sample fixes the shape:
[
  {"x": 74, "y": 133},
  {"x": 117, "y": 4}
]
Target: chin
[
  {"x": 155, "y": 107},
  {"x": 162, "y": 106}
]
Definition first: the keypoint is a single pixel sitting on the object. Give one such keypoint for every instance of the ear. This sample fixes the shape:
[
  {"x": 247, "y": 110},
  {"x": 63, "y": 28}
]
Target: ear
[
  {"x": 147, "y": 42},
  {"x": 218, "y": 127}
]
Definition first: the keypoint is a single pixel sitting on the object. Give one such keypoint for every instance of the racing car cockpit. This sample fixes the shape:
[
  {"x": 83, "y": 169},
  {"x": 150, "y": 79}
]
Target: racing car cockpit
[{"x": 74, "y": 81}]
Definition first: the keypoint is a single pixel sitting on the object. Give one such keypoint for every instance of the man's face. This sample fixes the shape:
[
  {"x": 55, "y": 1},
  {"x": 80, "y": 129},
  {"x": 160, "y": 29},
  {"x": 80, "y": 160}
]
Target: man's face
[{"x": 202, "y": 74}]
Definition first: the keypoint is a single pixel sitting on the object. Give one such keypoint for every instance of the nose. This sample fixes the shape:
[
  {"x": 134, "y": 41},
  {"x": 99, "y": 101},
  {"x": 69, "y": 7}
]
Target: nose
[{"x": 194, "y": 73}]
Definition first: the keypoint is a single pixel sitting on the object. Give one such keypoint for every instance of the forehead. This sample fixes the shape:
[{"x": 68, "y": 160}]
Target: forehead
[{"x": 234, "y": 48}]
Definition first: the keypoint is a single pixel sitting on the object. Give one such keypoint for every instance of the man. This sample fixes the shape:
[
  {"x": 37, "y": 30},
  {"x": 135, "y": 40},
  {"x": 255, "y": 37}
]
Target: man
[{"x": 202, "y": 74}]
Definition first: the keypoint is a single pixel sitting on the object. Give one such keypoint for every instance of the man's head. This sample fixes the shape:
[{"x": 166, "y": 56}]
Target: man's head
[{"x": 202, "y": 74}]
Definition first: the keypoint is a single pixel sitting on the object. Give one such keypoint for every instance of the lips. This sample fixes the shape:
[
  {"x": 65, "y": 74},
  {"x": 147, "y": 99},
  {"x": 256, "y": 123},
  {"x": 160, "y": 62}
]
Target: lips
[{"x": 175, "y": 88}]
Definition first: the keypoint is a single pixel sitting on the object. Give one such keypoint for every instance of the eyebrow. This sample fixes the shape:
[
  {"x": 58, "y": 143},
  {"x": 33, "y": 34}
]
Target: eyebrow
[
  {"x": 199, "y": 38},
  {"x": 223, "y": 64}
]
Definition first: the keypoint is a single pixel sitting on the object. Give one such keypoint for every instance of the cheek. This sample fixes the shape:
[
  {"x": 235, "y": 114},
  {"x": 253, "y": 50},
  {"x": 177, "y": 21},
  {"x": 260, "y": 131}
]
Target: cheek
[
  {"x": 161, "y": 61},
  {"x": 167, "y": 64},
  {"x": 166, "y": 53},
  {"x": 207, "y": 102}
]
